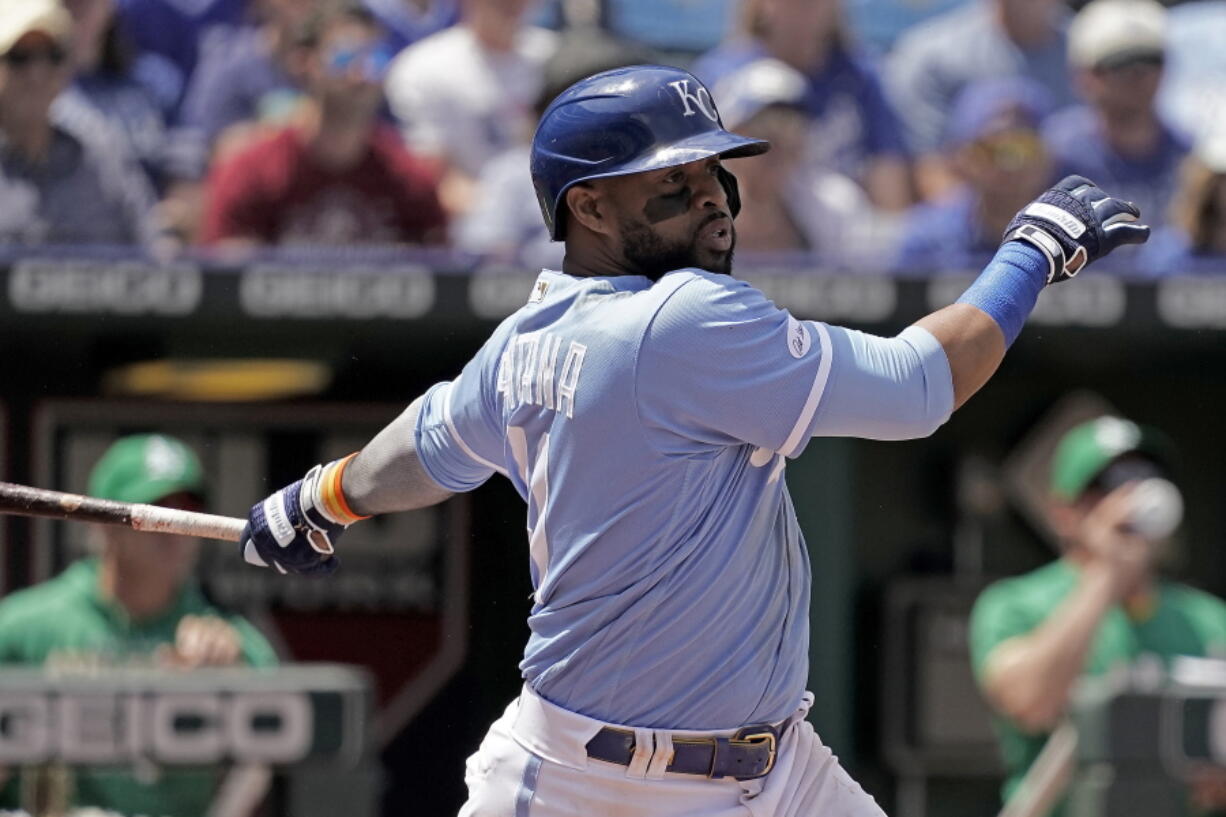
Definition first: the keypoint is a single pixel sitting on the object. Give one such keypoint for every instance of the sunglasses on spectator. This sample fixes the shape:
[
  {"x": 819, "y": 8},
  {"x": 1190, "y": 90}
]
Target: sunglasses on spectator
[
  {"x": 24, "y": 57},
  {"x": 370, "y": 62},
  {"x": 1011, "y": 149}
]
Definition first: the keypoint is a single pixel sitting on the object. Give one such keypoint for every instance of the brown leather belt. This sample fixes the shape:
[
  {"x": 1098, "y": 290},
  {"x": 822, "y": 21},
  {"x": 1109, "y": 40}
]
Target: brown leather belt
[{"x": 747, "y": 754}]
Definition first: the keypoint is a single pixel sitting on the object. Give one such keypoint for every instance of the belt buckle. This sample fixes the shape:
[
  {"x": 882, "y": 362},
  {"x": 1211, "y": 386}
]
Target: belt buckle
[{"x": 756, "y": 738}]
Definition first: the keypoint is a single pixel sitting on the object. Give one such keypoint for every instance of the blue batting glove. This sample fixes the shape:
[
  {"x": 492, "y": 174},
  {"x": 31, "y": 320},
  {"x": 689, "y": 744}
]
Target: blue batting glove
[
  {"x": 291, "y": 532},
  {"x": 1075, "y": 223}
]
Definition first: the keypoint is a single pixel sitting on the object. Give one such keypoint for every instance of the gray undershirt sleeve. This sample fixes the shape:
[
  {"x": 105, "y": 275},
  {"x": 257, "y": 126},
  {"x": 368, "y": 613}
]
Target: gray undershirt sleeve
[{"x": 387, "y": 475}]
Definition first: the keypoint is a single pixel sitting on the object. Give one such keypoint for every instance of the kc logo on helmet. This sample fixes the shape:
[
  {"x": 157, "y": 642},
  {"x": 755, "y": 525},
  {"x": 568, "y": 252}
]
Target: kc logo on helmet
[{"x": 701, "y": 99}]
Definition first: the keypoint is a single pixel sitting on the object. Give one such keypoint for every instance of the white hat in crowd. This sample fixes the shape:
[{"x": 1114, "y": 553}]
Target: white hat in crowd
[
  {"x": 756, "y": 86},
  {"x": 1111, "y": 32},
  {"x": 21, "y": 17}
]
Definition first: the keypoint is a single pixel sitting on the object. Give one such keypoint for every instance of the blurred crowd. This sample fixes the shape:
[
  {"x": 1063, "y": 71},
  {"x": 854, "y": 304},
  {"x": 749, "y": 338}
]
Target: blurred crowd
[{"x": 219, "y": 126}]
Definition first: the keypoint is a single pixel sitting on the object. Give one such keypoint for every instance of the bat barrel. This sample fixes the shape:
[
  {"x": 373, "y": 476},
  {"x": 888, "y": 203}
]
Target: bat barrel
[{"x": 28, "y": 501}]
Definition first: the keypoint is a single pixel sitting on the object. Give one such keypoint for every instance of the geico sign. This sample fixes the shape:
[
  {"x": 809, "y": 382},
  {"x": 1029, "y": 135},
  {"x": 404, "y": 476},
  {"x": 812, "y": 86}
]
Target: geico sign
[
  {"x": 173, "y": 728},
  {"x": 270, "y": 291},
  {"x": 125, "y": 288}
]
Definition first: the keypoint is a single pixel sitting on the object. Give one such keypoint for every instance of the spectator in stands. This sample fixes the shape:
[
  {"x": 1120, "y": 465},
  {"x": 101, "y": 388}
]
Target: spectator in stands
[
  {"x": 1102, "y": 605},
  {"x": 997, "y": 157},
  {"x": 1194, "y": 240},
  {"x": 671, "y": 26},
  {"x": 1116, "y": 48},
  {"x": 854, "y": 130},
  {"x": 466, "y": 94},
  {"x": 1194, "y": 74},
  {"x": 248, "y": 80},
  {"x": 170, "y": 36},
  {"x": 407, "y": 21},
  {"x": 256, "y": 75},
  {"x": 103, "y": 61},
  {"x": 505, "y": 222},
  {"x": 337, "y": 175},
  {"x": 133, "y": 605},
  {"x": 791, "y": 205},
  {"x": 64, "y": 178},
  {"x": 931, "y": 65}
]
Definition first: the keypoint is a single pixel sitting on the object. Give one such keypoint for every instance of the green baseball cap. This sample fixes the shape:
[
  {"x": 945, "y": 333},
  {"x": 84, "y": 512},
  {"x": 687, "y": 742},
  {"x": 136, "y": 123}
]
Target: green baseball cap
[
  {"x": 1087, "y": 449},
  {"x": 146, "y": 468}
]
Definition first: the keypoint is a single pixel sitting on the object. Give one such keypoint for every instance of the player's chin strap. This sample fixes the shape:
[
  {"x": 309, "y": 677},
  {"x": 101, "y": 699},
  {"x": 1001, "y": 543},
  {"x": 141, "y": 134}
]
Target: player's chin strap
[{"x": 731, "y": 189}]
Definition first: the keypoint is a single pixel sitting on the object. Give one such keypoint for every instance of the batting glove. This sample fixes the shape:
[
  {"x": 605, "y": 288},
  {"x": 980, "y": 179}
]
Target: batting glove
[
  {"x": 1075, "y": 223},
  {"x": 295, "y": 530}
]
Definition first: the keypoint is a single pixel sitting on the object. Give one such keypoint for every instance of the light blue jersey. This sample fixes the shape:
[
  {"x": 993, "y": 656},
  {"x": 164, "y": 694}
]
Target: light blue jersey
[{"x": 647, "y": 425}]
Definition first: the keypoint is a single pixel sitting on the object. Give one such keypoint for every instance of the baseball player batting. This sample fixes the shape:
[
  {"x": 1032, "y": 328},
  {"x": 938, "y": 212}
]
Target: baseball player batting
[{"x": 644, "y": 403}]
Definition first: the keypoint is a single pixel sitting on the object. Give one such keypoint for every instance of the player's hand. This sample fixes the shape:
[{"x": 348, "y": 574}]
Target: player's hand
[
  {"x": 203, "y": 641},
  {"x": 1075, "y": 223},
  {"x": 1112, "y": 543},
  {"x": 292, "y": 531}
]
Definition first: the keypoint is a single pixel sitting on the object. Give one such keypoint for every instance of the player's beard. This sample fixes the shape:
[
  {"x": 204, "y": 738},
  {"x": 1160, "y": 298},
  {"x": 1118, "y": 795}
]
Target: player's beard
[{"x": 648, "y": 253}]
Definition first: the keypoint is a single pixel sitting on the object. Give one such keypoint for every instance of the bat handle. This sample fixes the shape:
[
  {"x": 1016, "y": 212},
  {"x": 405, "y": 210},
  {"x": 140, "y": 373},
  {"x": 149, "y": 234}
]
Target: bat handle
[{"x": 156, "y": 519}]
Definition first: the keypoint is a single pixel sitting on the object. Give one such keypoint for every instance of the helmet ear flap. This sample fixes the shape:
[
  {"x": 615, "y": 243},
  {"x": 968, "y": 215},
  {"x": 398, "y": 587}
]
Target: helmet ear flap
[{"x": 731, "y": 189}]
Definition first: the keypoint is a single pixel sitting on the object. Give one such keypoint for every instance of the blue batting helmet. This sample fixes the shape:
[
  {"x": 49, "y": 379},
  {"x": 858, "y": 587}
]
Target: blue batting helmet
[{"x": 628, "y": 120}]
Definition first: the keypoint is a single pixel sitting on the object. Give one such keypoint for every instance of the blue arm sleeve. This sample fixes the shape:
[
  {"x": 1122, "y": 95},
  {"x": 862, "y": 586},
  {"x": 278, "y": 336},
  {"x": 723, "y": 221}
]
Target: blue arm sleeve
[
  {"x": 896, "y": 388},
  {"x": 1009, "y": 287}
]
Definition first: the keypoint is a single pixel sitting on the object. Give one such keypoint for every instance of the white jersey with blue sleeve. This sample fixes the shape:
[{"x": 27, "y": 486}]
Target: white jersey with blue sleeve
[{"x": 646, "y": 425}]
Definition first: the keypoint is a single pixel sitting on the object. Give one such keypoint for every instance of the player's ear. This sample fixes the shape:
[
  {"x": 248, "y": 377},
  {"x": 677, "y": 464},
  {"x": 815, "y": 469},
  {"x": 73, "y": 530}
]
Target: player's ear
[{"x": 587, "y": 206}]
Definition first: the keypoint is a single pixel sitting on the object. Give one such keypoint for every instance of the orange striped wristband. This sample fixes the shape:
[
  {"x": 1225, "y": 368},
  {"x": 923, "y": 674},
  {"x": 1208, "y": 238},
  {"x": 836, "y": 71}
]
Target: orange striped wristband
[{"x": 331, "y": 497}]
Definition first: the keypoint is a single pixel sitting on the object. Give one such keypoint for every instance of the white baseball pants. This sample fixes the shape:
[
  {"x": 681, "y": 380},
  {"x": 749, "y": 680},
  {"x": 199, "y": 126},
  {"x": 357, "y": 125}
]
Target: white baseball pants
[{"x": 533, "y": 763}]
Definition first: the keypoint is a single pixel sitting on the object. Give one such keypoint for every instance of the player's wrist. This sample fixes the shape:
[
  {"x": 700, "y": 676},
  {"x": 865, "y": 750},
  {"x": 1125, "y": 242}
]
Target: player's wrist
[
  {"x": 1059, "y": 264},
  {"x": 1009, "y": 287},
  {"x": 323, "y": 492}
]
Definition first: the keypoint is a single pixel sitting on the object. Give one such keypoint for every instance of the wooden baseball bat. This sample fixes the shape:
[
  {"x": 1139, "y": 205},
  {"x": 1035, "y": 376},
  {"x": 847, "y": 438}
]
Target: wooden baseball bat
[{"x": 22, "y": 500}]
